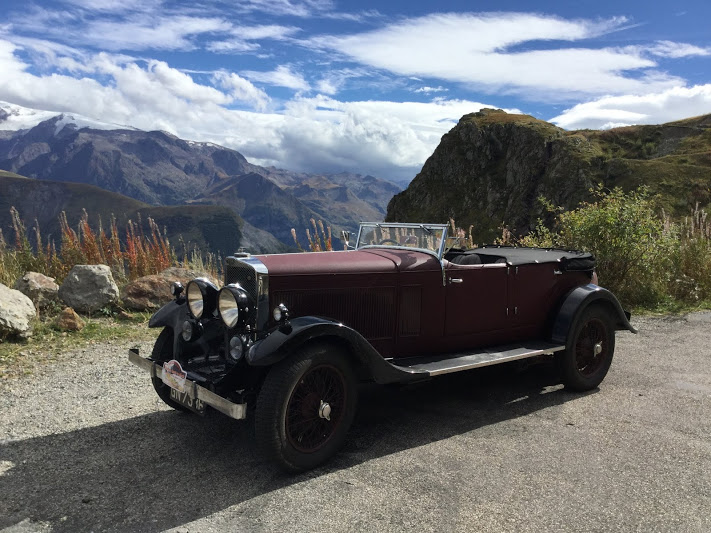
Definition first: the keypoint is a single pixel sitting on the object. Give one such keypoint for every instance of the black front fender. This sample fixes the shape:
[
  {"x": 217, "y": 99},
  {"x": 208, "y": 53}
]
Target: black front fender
[
  {"x": 579, "y": 299},
  {"x": 288, "y": 338},
  {"x": 172, "y": 315}
]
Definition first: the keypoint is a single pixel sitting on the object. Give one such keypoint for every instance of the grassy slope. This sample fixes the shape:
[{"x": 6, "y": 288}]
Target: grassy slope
[
  {"x": 212, "y": 228},
  {"x": 673, "y": 160}
]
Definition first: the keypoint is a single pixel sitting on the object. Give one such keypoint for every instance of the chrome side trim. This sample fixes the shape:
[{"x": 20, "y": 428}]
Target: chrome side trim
[{"x": 195, "y": 391}]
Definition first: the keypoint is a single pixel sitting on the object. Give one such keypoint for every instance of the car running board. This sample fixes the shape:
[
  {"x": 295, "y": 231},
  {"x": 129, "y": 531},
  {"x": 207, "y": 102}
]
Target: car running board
[{"x": 445, "y": 364}]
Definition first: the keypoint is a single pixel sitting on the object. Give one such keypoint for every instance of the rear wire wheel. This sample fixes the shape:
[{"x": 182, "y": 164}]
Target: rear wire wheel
[
  {"x": 162, "y": 352},
  {"x": 588, "y": 357},
  {"x": 305, "y": 408}
]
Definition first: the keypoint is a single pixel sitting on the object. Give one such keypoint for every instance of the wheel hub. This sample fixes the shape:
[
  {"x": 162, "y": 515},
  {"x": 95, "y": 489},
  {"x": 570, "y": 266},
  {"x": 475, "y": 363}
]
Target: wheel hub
[
  {"x": 598, "y": 348},
  {"x": 324, "y": 411}
]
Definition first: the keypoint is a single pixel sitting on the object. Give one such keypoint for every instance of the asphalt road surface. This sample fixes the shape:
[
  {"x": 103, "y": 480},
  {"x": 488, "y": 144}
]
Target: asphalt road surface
[{"x": 86, "y": 446}]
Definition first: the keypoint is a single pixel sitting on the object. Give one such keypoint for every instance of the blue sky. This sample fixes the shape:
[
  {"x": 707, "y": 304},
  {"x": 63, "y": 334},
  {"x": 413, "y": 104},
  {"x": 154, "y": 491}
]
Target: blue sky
[{"x": 326, "y": 86}]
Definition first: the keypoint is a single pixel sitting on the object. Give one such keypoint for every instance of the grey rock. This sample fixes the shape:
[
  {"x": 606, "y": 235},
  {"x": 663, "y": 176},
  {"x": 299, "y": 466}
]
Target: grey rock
[
  {"x": 88, "y": 288},
  {"x": 16, "y": 313},
  {"x": 41, "y": 289}
]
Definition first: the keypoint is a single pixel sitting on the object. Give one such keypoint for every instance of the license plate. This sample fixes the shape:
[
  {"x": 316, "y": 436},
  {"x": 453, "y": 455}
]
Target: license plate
[
  {"x": 175, "y": 377},
  {"x": 194, "y": 404}
]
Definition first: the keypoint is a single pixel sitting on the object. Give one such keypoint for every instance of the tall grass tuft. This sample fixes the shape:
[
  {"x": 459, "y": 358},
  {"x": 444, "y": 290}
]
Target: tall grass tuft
[{"x": 140, "y": 255}]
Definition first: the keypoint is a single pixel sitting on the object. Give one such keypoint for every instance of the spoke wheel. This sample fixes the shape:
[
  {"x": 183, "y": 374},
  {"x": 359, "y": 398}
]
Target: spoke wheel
[
  {"x": 591, "y": 347},
  {"x": 585, "y": 362},
  {"x": 305, "y": 407},
  {"x": 315, "y": 409}
]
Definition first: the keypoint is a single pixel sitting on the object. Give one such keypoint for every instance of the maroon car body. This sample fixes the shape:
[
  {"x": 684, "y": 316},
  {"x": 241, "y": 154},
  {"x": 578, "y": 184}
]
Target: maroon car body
[{"x": 293, "y": 333}]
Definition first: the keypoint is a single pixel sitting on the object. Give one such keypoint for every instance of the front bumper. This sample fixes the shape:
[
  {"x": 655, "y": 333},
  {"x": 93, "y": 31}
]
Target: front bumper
[{"x": 195, "y": 391}]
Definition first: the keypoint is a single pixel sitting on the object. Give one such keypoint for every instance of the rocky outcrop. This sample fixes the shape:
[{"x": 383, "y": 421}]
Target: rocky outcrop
[
  {"x": 16, "y": 313},
  {"x": 492, "y": 167},
  {"x": 41, "y": 289},
  {"x": 153, "y": 291},
  {"x": 88, "y": 288}
]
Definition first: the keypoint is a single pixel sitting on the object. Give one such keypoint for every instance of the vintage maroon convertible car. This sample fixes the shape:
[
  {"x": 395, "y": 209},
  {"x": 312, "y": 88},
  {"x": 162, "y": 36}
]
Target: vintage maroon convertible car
[{"x": 292, "y": 334}]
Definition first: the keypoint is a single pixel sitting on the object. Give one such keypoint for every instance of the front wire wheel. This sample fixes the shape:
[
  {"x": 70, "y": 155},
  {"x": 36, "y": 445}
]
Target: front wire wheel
[
  {"x": 305, "y": 408},
  {"x": 585, "y": 362}
]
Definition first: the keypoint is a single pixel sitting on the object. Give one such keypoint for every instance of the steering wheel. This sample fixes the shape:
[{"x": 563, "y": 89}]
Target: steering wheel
[{"x": 389, "y": 241}]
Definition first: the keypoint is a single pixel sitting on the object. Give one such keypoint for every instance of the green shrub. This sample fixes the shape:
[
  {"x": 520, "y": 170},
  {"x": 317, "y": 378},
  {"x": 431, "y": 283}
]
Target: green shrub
[{"x": 635, "y": 250}]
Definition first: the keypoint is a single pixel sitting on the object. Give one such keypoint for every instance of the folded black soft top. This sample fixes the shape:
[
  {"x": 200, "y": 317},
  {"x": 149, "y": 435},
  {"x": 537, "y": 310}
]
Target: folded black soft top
[{"x": 569, "y": 259}]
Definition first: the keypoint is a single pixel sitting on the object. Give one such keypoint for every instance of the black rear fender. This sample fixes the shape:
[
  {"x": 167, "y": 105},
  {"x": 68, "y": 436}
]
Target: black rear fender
[{"x": 577, "y": 300}]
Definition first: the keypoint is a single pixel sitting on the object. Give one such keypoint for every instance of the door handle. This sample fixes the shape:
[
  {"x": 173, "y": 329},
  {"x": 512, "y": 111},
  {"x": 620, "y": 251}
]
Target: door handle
[{"x": 456, "y": 280}]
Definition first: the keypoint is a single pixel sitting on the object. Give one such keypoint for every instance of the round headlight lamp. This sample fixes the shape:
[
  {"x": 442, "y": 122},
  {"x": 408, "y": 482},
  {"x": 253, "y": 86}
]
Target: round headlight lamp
[
  {"x": 187, "y": 331},
  {"x": 236, "y": 348},
  {"x": 232, "y": 305},
  {"x": 201, "y": 295}
]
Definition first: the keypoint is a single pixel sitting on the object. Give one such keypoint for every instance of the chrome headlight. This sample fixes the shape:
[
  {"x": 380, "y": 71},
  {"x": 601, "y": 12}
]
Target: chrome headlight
[
  {"x": 201, "y": 295},
  {"x": 232, "y": 305}
]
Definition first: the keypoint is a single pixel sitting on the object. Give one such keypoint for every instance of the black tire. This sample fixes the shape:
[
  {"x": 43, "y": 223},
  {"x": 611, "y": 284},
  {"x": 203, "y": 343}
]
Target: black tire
[
  {"x": 297, "y": 395},
  {"x": 163, "y": 351},
  {"x": 585, "y": 362}
]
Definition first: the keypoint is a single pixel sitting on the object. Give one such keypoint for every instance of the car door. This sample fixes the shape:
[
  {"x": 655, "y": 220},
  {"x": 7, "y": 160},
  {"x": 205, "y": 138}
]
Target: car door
[{"x": 476, "y": 307}]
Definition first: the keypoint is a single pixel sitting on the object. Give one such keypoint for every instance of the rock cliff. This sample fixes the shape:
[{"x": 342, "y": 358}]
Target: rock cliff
[{"x": 490, "y": 169}]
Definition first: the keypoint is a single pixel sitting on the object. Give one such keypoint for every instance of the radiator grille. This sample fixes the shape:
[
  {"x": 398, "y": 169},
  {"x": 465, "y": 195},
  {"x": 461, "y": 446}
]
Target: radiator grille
[{"x": 246, "y": 276}]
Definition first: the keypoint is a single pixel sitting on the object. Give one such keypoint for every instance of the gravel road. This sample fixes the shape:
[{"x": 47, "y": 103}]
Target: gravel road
[{"x": 85, "y": 445}]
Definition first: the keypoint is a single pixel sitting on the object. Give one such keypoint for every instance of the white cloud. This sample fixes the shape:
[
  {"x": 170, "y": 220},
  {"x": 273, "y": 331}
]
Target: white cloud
[
  {"x": 242, "y": 37},
  {"x": 428, "y": 90},
  {"x": 282, "y": 76},
  {"x": 476, "y": 49},
  {"x": 319, "y": 134},
  {"x": 231, "y": 46},
  {"x": 677, "y": 50},
  {"x": 141, "y": 33},
  {"x": 390, "y": 139},
  {"x": 304, "y": 8},
  {"x": 652, "y": 108},
  {"x": 242, "y": 90},
  {"x": 114, "y": 5}
]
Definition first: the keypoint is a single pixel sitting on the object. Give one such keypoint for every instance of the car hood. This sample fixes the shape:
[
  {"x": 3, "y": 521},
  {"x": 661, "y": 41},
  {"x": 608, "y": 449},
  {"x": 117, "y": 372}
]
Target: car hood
[
  {"x": 372, "y": 260},
  {"x": 341, "y": 262}
]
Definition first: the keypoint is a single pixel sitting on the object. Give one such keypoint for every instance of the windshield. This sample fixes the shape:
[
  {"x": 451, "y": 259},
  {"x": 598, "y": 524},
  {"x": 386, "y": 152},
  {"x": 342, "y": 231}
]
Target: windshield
[{"x": 426, "y": 237}]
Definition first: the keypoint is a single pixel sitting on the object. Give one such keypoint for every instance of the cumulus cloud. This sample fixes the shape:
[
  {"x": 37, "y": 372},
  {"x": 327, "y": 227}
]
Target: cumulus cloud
[
  {"x": 242, "y": 90},
  {"x": 318, "y": 134},
  {"x": 652, "y": 108},
  {"x": 498, "y": 51},
  {"x": 282, "y": 76}
]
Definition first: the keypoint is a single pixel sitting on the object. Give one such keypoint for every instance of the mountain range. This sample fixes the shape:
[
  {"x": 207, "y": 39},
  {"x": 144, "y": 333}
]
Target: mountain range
[{"x": 156, "y": 168}]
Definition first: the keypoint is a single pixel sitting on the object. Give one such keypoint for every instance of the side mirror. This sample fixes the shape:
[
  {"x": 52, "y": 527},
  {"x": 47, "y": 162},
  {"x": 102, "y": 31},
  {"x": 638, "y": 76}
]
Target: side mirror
[{"x": 346, "y": 237}]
